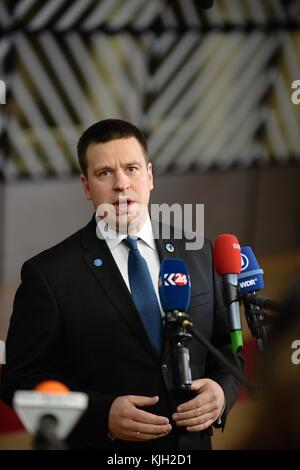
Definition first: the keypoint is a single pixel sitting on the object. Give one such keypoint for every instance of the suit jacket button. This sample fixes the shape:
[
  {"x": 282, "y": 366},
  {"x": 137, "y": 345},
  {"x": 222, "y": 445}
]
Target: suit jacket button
[{"x": 164, "y": 368}]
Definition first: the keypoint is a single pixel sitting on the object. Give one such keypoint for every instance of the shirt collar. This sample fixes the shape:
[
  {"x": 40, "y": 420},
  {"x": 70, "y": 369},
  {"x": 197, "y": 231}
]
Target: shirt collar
[
  {"x": 113, "y": 238},
  {"x": 146, "y": 233}
]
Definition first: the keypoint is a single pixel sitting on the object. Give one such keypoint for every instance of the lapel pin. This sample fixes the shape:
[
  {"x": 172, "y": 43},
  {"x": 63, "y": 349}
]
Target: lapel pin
[
  {"x": 98, "y": 262},
  {"x": 170, "y": 248}
]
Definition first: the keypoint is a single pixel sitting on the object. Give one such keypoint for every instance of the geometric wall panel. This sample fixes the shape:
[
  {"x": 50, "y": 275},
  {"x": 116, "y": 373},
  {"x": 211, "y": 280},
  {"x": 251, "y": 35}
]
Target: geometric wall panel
[{"x": 210, "y": 88}]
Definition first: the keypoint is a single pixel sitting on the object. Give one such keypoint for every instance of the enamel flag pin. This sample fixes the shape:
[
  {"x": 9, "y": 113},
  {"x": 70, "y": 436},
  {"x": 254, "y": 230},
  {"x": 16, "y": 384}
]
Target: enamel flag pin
[
  {"x": 170, "y": 248},
  {"x": 98, "y": 262}
]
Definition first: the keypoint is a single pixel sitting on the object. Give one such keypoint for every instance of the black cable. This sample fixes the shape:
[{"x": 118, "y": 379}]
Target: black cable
[{"x": 219, "y": 356}]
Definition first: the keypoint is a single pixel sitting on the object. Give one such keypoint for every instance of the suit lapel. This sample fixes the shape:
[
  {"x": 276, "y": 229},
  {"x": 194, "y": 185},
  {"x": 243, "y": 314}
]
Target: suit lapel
[
  {"x": 111, "y": 281},
  {"x": 164, "y": 246}
]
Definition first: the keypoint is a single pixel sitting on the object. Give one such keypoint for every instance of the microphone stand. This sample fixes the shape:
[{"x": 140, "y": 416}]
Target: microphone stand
[
  {"x": 182, "y": 329},
  {"x": 45, "y": 437},
  {"x": 180, "y": 355},
  {"x": 256, "y": 319},
  {"x": 256, "y": 316},
  {"x": 264, "y": 302}
]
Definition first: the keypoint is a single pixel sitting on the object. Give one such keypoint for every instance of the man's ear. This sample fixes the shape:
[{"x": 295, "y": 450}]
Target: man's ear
[
  {"x": 150, "y": 175},
  {"x": 86, "y": 187}
]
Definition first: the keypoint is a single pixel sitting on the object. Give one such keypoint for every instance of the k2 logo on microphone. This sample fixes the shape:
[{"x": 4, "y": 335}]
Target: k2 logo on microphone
[{"x": 175, "y": 279}]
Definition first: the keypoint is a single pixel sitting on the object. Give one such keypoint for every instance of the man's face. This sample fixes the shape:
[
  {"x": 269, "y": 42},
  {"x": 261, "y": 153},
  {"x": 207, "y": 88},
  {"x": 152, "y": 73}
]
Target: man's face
[{"x": 118, "y": 174}]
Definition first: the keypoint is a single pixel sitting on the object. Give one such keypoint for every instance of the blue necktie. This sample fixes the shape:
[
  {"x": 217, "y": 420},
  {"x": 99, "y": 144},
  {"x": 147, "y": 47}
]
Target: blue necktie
[{"x": 143, "y": 293}]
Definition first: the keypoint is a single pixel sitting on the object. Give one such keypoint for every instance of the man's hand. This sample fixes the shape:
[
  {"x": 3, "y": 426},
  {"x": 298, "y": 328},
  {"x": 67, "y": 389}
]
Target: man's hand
[
  {"x": 200, "y": 412},
  {"x": 126, "y": 421}
]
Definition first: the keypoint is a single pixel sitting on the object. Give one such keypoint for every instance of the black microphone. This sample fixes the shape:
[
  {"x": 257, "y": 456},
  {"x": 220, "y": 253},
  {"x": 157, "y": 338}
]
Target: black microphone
[
  {"x": 174, "y": 293},
  {"x": 264, "y": 302}
]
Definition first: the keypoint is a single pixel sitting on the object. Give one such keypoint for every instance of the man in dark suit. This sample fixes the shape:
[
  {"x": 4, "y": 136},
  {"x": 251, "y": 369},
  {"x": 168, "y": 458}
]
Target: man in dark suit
[{"x": 77, "y": 315}]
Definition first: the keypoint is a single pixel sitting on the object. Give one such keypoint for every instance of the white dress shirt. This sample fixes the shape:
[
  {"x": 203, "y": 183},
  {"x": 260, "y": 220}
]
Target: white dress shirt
[{"x": 120, "y": 251}]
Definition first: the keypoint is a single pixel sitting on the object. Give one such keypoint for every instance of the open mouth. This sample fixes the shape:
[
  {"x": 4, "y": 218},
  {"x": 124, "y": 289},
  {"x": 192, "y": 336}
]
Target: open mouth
[{"x": 122, "y": 204}]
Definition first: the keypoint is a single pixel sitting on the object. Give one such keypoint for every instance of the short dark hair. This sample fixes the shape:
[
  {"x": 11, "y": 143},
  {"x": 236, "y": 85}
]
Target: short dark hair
[{"x": 105, "y": 131}]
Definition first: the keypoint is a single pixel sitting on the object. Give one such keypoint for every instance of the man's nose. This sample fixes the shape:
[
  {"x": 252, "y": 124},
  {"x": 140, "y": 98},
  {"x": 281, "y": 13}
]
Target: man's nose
[{"x": 121, "y": 181}]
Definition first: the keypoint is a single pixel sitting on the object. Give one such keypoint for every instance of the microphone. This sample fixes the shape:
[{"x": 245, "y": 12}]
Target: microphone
[
  {"x": 264, "y": 302},
  {"x": 49, "y": 413},
  {"x": 227, "y": 259},
  {"x": 251, "y": 276},
  {"x": 174, "y": 292},
  {"x": 251, "y": 280}
]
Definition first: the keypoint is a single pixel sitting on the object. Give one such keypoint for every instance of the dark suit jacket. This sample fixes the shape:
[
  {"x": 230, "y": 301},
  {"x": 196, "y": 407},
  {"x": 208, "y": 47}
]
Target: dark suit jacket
[{"x": 76, "y": 323}]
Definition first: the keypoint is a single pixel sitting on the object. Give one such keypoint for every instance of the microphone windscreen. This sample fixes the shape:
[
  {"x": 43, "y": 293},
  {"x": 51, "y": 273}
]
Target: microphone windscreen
[
  {"x": 251, "y": 276},
  {"x": 174, "y": 285},
  {"x": 227, "y": 254},
  {"x": 52, "y": 386}
]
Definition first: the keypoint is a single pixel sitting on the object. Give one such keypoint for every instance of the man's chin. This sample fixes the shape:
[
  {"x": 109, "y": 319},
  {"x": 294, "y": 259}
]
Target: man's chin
[
  {"x": 124, "y": 221},
  {"x": 128, "y": 224}
]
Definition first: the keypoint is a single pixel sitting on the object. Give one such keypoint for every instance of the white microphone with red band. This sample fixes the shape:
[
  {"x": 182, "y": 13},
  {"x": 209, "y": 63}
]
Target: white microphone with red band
[{"x": 49, "y": 413}]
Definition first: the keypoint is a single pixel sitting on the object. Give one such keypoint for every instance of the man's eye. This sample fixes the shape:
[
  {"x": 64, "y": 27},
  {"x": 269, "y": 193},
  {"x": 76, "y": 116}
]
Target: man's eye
[
  {"x": 132, "y": 169},
  {"x": 103, "y": 173}
]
